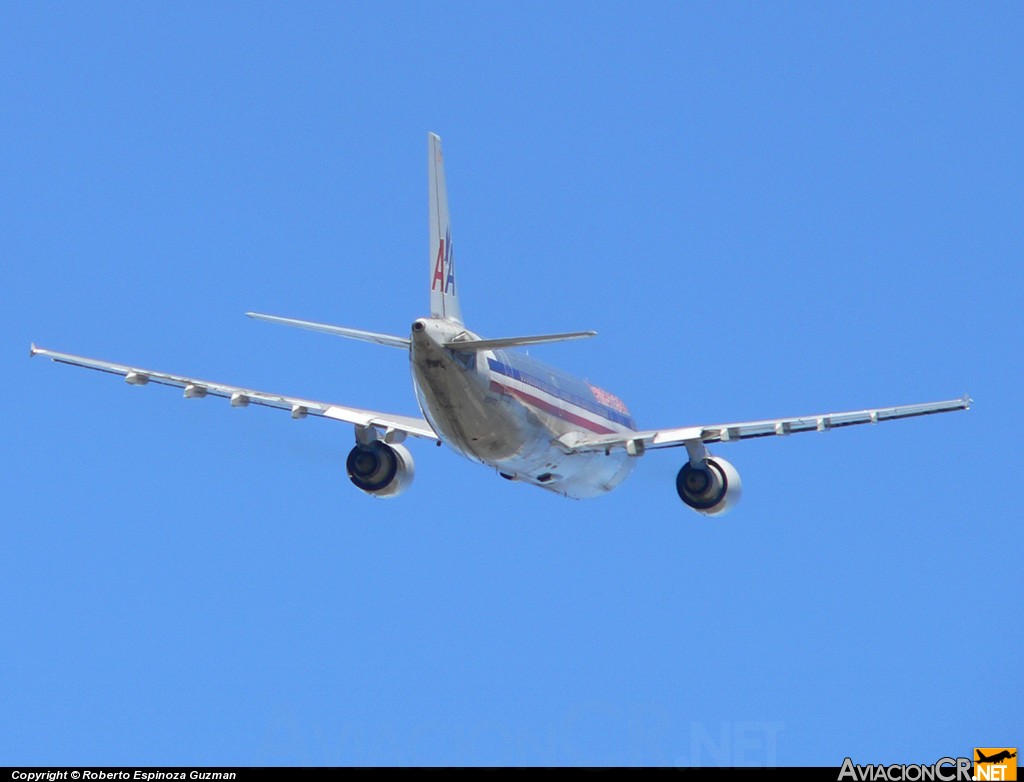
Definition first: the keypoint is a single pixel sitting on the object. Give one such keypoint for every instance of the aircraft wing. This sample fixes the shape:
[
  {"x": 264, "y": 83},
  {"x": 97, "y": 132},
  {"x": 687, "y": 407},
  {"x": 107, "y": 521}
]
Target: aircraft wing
[
  {"x": 242, "y": 397},
  {"x": 637, "y": 442}
]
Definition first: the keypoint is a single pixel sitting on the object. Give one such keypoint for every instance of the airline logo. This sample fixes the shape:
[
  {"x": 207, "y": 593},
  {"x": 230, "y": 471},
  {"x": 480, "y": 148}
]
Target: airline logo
[
  {"x": 998, "y": 763},
  {"x": 444, "y": 266}
]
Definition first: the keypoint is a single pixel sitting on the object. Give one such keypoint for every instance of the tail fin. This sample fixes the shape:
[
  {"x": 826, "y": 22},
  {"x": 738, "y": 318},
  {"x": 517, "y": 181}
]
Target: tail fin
[{"x": 444, "y": 296}]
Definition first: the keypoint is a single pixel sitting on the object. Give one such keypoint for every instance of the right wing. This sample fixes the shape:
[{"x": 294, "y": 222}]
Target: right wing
[
  {"x": 637, "y": 442},
  {"x": 242, "y": 397}
]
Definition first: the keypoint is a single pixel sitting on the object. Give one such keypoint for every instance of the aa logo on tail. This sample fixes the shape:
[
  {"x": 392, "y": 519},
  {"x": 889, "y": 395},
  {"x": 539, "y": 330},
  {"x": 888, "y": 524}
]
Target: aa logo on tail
[
  {"x": 995, "y": 763},
  {"x": 445, "y": 261}
]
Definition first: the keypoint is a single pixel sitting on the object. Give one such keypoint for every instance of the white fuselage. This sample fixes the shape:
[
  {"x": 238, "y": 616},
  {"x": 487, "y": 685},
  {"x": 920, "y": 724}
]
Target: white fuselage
[{"x": 506, "y": 410}]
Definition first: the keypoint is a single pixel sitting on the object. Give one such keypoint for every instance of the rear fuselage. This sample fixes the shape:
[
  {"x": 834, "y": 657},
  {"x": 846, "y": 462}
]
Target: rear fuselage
[{"x": 506, "y": 410}]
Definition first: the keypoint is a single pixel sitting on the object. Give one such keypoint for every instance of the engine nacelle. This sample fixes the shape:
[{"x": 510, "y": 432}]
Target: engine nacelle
[
  {"x": 711, "y": 489},
  {"x": 380, "y": 469}
]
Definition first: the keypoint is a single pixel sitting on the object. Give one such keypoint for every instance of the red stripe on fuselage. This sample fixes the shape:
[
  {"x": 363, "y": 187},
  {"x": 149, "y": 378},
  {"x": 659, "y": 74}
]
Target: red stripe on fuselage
[{"x": 547, "y": 407}]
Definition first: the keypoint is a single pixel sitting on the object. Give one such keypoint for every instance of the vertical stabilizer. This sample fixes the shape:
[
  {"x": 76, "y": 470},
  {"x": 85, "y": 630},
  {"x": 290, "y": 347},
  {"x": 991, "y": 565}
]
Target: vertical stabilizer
[{"x": 444, "y": 294}]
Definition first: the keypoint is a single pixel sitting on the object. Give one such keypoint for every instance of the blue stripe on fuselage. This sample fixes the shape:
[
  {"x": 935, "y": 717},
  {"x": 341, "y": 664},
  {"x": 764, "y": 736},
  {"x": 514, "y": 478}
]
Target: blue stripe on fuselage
[{"x": 591, "y": 405}]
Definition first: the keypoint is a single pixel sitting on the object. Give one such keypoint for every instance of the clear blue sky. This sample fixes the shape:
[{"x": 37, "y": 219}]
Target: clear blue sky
[{"x": 762, "y": 209}]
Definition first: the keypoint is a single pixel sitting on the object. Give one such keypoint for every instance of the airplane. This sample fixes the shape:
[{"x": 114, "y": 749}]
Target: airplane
[
  {"x": 493, "y": 405},
  {"x": 999, "y": 757}
]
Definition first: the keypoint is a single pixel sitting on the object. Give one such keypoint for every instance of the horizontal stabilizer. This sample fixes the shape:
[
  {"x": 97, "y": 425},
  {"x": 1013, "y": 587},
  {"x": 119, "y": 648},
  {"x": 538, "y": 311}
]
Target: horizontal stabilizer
[
  {"x": 515, "y": 342},
  {"x": 338, "y": 331}
]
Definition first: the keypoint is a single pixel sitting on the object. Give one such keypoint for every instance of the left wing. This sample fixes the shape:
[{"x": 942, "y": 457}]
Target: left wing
[
  {"x": 637, "y": 442},
  {"x": 242, "y": 397}
]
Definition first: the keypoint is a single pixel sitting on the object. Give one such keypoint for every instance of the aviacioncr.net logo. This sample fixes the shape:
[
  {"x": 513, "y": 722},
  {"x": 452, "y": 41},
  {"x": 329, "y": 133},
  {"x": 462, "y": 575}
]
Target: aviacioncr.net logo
[{"x": 942, "y": 770}]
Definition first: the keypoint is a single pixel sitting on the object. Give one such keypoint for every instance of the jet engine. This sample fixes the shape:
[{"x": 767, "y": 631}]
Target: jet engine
[
  {"x": 380, "y": 469},
  {"x": 710, "y": 489}
]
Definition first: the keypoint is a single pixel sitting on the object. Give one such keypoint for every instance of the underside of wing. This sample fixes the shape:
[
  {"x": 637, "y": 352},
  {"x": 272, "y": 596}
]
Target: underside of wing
[
  {"x": 242, "y": 397},
  {"x": 637, "y": 442}
]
